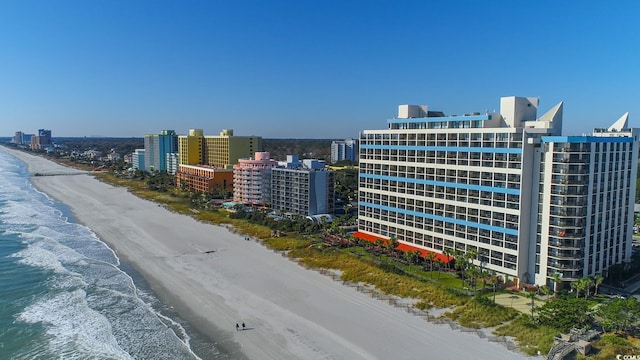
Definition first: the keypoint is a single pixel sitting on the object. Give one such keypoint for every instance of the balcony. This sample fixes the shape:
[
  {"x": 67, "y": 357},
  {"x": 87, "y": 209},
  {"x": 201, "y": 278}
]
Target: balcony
[
  {"x": 566, "y": 244},
  {"x": 565, "y": 254},
  {"x": 566, "y": 265}
]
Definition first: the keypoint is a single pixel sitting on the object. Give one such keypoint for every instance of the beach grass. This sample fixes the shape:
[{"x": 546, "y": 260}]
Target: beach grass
[
  {"x": 608, "y": 346},
  {"x": 481, "y": 312},
  {"x": 358, "y": 270},
  {"x": 287, "y": 243},
  {"x": 531, "y": 337}
]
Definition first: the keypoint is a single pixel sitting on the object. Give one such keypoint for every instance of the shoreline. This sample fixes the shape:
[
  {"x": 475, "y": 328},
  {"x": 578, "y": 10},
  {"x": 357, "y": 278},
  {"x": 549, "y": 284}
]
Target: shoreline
[{"x": 214, "y": 278}]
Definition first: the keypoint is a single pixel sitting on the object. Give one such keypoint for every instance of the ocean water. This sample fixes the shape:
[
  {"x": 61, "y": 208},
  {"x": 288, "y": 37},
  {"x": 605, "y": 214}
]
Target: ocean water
[{"x": 64, "y": 294}]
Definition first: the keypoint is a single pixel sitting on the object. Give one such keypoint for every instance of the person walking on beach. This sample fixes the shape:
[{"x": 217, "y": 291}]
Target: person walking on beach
[
  {"x": 243, "y": 325},
  {"x": 237, "y": 327}
]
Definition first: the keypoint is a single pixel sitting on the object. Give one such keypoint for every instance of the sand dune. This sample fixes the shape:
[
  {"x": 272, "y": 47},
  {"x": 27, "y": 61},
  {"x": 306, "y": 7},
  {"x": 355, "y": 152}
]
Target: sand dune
[{"x": 214, "y": 278}]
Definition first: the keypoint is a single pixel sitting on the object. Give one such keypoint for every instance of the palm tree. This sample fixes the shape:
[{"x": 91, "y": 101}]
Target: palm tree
[
  {"x": 471, "y": 255},
  {"x": 431, "y": 256},
  {"x": 578, "y": 286},
  {"x": 469, "y": 266},
  {"x": 588, "y": 283},
  {"x": 391, "y": 245},
  {"x": 597, "y": 281},
  {"x": 412, "y": 257},
  {"x": 575, "y": 285},
  {"x": 532, "y": 296},
  {"x": 494, "y": 283},
  {"x": 484, "y": 276},
  {"x": 460, "y": 263},
  {"x": 545, "y": 290},
  {"x": 556, "y": 277},
  {"x": 439, "y": 264},
  {"x": 447, "y": 252},
  {"x": 473, "y": 273}
]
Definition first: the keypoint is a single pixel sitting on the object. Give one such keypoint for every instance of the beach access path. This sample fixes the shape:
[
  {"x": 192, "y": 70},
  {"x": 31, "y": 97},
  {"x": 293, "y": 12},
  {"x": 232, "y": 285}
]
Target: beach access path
[{"x": 215, "y": 279}]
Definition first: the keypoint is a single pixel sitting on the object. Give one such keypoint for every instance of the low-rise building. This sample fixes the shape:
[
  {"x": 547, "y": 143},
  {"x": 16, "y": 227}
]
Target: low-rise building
[{"x": 203, "y": 178}]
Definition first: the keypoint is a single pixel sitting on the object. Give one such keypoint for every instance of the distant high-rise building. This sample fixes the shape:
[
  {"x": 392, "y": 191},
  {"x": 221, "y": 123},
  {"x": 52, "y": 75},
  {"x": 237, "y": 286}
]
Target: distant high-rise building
[
  {"x": 45, "y": 136},
  {"x": 343, "y": 150},
  {"x": 17, "y": 138},
  {"x": 42, "y": 140},
  {"x": 222, "y": 151},
  {"x": 156, "y": 147},
  {"x": 252, "y": 179},
  {"x": 138, "y": 159},
  {"x": 507, "y": 186},
  {"x": 303, "y": 190}
]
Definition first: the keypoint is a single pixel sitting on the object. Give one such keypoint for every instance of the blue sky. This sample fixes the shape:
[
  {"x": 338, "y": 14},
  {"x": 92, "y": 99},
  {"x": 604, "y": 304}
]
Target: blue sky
[{"x": 307, "y": 69}]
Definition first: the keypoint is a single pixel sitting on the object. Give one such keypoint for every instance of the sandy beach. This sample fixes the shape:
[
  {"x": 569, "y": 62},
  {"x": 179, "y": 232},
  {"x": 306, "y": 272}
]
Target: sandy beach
[{"x": 214, "y": 278}]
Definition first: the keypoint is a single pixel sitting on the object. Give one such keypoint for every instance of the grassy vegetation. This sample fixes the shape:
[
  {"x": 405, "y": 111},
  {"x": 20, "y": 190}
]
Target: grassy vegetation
[
  {"x": 481, "y": 312},
  {"x": 531, "y": 337},
  {"x": 357, "y": 269},
  {"x": 610, "y": 345}
]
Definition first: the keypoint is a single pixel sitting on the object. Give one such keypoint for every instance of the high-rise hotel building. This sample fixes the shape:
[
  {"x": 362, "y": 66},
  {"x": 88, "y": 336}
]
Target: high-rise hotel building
[
  {"x": 530, "y": 201},
  {"x": 585, "y": 203},
  {"x": 221, "y": 151},
  {"x": 156, "y": 148}
]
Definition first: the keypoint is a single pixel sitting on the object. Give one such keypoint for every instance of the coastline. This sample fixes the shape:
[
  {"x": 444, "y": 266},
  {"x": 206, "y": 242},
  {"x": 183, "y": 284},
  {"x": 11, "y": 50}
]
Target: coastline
[{"x": 214, "y": 278}]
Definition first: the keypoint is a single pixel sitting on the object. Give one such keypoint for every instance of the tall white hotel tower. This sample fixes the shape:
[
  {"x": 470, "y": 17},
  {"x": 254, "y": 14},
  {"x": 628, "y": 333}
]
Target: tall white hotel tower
[{"x": 531, "y": 202}]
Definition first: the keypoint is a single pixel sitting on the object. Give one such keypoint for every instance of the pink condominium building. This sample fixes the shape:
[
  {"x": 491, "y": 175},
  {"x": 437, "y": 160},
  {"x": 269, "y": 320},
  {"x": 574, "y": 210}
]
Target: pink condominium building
[{"x": 252, "y": 179}]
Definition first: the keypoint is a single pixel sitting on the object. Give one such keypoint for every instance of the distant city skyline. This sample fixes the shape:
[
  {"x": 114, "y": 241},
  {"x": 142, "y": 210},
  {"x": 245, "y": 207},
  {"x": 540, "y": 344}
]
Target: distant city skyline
[{"x": 287, "y": 69}]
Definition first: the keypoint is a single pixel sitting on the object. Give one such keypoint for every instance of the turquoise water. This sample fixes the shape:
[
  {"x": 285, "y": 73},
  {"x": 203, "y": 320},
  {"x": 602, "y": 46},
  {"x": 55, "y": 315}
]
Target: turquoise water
[{"x": 64, "y": 294}]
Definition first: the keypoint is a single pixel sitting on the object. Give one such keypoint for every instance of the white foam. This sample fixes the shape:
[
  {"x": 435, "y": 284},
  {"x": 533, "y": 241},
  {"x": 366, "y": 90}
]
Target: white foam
[
  {"x": 80, "y": 261},
  {"x": 39, "y": 257},
  {"x": 75, "y": 329}
]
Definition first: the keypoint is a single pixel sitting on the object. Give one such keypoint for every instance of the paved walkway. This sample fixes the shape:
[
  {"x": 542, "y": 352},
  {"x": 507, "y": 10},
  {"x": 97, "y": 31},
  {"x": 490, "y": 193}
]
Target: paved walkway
[{"x": 520, "y": 303}]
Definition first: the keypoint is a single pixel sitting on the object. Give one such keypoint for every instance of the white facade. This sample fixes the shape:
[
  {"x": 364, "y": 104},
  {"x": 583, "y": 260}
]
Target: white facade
[
  {"x": 586, "y": 203},
  {"x": 306, "y": 188},
  {"x": 461, "y": 182},
  {"x": 343, "y": 150},
  {"x": 172, "y": 161},
  {"x": 138, "y": 159}
]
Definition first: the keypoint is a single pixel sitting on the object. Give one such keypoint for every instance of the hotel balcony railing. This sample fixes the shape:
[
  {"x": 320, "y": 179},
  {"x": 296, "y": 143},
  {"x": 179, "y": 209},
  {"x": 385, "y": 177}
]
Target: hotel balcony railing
[
  {"x": 566, "y": 265},
  {"x": 566, "y": 234},
  {"x": 565, "y": 255},
  {"x": 567, "y": 275},
  {"x": 568, "y": 212},
  {"x": 566, "y": 223},
  {"x": 567, "y": 244}
]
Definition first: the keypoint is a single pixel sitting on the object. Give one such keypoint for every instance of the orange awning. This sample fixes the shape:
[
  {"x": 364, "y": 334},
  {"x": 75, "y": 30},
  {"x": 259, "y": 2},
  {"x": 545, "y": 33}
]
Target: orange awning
[{"x": 403, "y": 246}]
